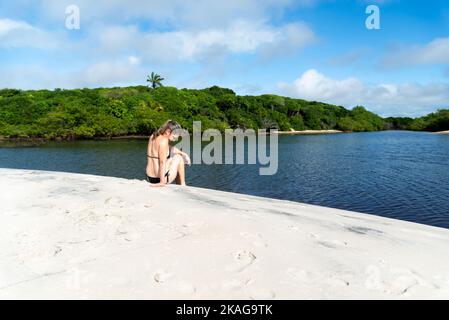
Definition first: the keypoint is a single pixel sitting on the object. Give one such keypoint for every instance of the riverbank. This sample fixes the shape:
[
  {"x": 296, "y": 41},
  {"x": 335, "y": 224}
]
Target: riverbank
[
  {"x": 307, "y": 132},
  {"x": 443, "y": 132},
  {"x": 58, "y": 139},
  {"x": 36, "y": 141},
  {"x": 4, "y": 139},
  {"x": 73, "y": 236}
]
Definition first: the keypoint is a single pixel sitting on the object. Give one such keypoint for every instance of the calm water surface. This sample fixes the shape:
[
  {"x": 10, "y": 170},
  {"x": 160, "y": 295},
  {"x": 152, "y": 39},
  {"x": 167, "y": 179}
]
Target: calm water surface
[{"x": 403, "y": 175}]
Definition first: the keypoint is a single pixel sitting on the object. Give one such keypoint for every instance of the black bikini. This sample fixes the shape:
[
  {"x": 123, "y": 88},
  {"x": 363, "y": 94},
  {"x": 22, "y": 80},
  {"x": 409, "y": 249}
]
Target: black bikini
[{"x": 158, "y": 180}]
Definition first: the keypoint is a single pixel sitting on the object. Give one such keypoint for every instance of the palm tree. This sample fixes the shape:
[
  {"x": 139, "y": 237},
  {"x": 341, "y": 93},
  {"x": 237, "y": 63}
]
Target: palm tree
[{"x": 155, "y": 80}]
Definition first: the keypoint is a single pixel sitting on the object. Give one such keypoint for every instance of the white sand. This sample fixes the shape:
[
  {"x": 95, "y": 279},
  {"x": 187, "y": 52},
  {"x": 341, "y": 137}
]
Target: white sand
[{"x": 81, "y": 236}]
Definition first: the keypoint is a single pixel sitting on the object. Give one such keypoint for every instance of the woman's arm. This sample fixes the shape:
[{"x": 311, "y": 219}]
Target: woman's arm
[
  {"x": 184, "y": 155},
  {"x": 174, "y": 150}
]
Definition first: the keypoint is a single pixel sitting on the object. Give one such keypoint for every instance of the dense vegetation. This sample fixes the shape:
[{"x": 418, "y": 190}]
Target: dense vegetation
[
  {"x": 437, "y": 121},
  {"x": 103, "y": 112}
]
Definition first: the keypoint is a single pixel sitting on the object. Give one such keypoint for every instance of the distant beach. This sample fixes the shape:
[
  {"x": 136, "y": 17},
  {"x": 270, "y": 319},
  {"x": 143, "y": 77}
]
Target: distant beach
[{"x": 300, "y": 132}]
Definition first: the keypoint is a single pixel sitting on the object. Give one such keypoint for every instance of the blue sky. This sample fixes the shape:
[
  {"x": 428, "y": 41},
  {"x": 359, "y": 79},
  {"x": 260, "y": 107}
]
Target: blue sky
[{"x": 312, "y": 49}]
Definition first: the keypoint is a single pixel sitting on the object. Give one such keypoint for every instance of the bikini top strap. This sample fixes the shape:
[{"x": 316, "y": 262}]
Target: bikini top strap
[{"x": 168, "y": 156}]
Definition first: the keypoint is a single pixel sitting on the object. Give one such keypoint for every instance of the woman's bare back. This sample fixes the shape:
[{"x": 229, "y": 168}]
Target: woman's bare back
[{"x": 153, "y": 156}]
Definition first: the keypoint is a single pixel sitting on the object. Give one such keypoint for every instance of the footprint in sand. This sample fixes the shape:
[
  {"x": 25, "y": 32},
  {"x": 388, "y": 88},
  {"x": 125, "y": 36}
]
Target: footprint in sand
[
  {"x": 403, "y": 285},
  {"x": 193, "y": 224},
  {"x": 335, "y": 281},
  {"x": 255, "y": 239},
  {"x": 395, "y": 281},
  {"x": 243, "y": 260},
  {"x": 309, "y": 277},
  {"x": 331, "y": 244},
  {"x": 161, "y": 276},
  {"x": 114, "y": 202},
  {"x": 404, "y": 281}
]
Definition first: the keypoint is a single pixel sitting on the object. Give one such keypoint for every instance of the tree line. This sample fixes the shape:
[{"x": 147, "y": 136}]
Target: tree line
[{"x": 138, "y": 110}]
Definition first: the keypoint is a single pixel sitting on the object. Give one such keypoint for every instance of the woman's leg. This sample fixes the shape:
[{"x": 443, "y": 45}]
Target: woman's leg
[
  {"x": 177, "y": 171},
  {"x": 181, "y": 177}
]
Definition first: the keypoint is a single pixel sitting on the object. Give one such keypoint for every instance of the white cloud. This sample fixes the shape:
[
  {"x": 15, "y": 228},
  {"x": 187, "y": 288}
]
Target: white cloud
[
  {"x": 16, "y": 33},
  {"x": 134, "y": 61},
  {"x": 203, "y": 36},
  {"x": 247, "y": 89},
  {"x": 239, "y": 37},
  {"x": 7, "y": 25},
  {"x": 174, "y": 13},
  {"x": 288, "y": 39},
  {"x": 412, "y": 99},
  {"x": 434, "y": 52},
  {"x": 107, "y": 73}
]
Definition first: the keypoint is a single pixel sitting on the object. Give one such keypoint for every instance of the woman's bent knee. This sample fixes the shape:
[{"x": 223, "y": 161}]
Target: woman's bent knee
[{"x": 178, "y": 159}]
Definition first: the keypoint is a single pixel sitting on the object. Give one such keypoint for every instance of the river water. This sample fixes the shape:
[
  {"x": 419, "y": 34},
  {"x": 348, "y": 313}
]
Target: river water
[{"x": 396, "y": 174}]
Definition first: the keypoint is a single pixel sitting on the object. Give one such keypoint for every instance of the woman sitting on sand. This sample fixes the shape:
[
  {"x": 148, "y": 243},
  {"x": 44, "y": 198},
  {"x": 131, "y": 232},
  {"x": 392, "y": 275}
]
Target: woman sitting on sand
[{"x": 164, "y": 162}]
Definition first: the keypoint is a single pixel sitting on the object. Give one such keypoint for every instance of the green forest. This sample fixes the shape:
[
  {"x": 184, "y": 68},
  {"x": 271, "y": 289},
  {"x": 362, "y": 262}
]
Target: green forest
[{"x": 139, "y": 110}]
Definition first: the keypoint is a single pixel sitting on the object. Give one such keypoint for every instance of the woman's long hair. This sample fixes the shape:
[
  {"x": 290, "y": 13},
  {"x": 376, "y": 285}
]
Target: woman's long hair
[{"x": 168, "y": 125}]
